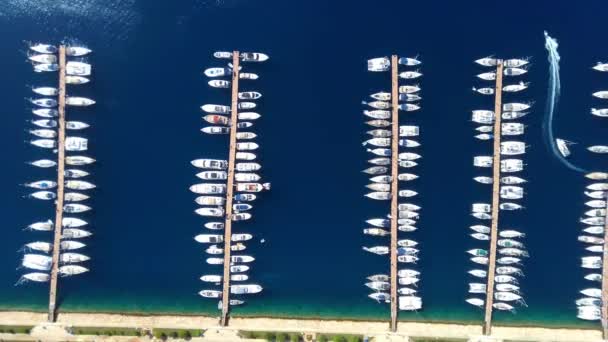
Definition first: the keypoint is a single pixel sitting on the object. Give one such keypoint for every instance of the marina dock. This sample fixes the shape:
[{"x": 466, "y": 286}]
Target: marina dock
[
  {"x": 60, "y": 186},
  {"x": 605, "y": 280},
  {"x": 487, "y": 329},
  {"x": 394, "y": 188},
  {"x": 230, "y": 190}
]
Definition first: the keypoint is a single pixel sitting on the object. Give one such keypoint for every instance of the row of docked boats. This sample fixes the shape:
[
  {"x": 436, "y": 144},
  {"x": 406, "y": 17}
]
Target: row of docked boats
[
  {"x": 592, "y": 236},
  {"x": 601, "y": 112},
  {"x": 509, "y": 246},
  {"x": 384, "y": 183},
  {"x": 37, "y": 257},
  {"x": 246, "y": 181}
]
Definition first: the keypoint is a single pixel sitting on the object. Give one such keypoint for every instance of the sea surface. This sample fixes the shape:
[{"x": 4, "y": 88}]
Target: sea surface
[{"x": 148, "y": 61}]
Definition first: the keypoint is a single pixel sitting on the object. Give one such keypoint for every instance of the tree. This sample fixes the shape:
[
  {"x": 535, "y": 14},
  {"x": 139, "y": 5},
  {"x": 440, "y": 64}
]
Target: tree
[
  {"x": 338, "y": 338},
  {"x": 354, "y": 338},
  {"x": 322, "y": 338},
  {"x": 294, "y": 337},
  {"x": 247, "y": 334},
  {"x": 281, "y": 337}
]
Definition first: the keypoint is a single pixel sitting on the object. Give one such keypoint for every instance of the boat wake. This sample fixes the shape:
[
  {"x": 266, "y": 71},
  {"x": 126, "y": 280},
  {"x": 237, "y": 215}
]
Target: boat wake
[{"x": 553, "y": 94}]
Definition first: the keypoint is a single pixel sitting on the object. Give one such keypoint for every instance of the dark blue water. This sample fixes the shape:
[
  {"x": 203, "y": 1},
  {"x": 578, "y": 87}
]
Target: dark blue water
[{"x": 149, "y": 57}]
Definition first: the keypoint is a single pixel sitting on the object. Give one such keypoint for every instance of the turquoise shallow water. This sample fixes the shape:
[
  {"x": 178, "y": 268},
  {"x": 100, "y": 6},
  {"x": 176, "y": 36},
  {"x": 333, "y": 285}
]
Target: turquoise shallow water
[{"x": 148, "y": 60}]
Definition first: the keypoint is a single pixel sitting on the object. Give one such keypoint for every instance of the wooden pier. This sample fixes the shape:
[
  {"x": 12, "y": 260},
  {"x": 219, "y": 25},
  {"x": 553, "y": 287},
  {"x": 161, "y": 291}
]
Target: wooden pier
[
  {"x": 60, "y": 187},
  {"x": 605, "y": 279},
  {"x": 230, "y": 190},
  {"x": 487, "y": 329},
  {"x": 394, "y": 189}
]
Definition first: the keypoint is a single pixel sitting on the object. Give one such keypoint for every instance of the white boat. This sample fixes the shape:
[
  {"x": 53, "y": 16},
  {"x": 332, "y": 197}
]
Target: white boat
[
  {"x": 248, "y": 76},
  {"x": 378, "y": 222},
  {"x": 594, "y": 221},
  {"x": 45, "y": 112},
  {"x": 215, "y": 261},
  {"x": 377, "y": 114},
  {"x": 409, "y": 156},
  {"x": 244, "y": 124},
  {"x": 511, "y": 148},
  {"x": 248, "y": 116},
  {"x": 594, "y": 277},
  {"x": 407, "y": 193},
  {"x": 375, "y": 232},
  {"x": 222, "y": 54},
  {"x": 212, "y": 175},
  {"x": 406, "y": 259},
  {"x": 408, "y": 143},
  {"x": 408, "y": 206},
  {"x": 44, "y": 102},
  {"x": 487, "y": 76},
  {"x": 239, "y": 268},
  {"x": 406, "y": 177},
  {"x": 380, "y": 250},
  {"x": 592, "y": 292},
  {"x": 508, "y": 261},
  {"x": 507, "y": 296},
  {"x": 594, "y": 230},
  {"x": 480, "y": 236},
  {"x": 380, "y": 161},
  {"x": 214, "y": 164},
  {"x": 510, "y": 115},
  {"x": 503, "y": 306},
  {"x": 78, "y": 101},
  {"x": 482, "y": 216},
  {"x": 44, "y": 133},
  {"x": 254, "y": 57},
  {"x": 43, "y": 48},
  {"x": 505, "y": 279},
  {"x": 77, "y": 51},
  {"x": 506, "y": 287},
  {"x": 241, "y": 237},
  {"x": 76, "y": 144},
  {"x": 381, "y": 96},
  {"x": 602, "y": 112},
  {"x": 381, "y": 179},
  {"x": 46, "y": 91},
  {"x": 515, "y": 62},
  {"x": 71, "y": 245},
  {"x": 487, "y": 61},
  {"x": 595, "y": 248},
  {"x": 562, "y": 146},
  {"x": 252, "y": 187},
  {"x": 484, "y": 136},
  {"x": 484, "y": 91},
  {"x": 210, "y": 200},
  {"x": 210, "y": 212},
  {"x": 378, "y": 64},
  {"x": 72, "y": 258},
  {"x": 45, "y": 67},
  {"x": 478, "y": 273},
  {"x": 407, "y": 243},
  {"x": 408, "y": 89},
  {"x": 508, "y": 270},
  {"x": 406, "y": 291},
  {"x": 481, "y": 208},
  {"x": 600, "y": 66},
  {"x": 408, "y": 75},
  {"x": 216, "y": 109},
  {"x": 79, "y": 185},
  {"x": 73, "y": 233},
  {"x": 211, "y": 278},
  {"x": 596, "y": 204},
  {"x": 475, "y": 301},
  {"x": 245, "y": 156},
  {"x": 480, "y": 228},
  {"x": 79, "y": 160},
  {"x": 43, "y": 184},
  {"x": 514, "y": 71},
  {"x": 36, "y": 266},
  {"x": 482, "y": 161},
  {"x": 72, "y": 222},
  {"x": 511, "y": 192},
  {"x": 515, "y": 106},
  {"x": 246, "y": 105},
  {"x": 385, "y": 152},
  {"x": 245, "y": 135},
  {"x": 511, "y": 165},
  {"x": 75, "y": 208},
  {"x": 477, "y": 288},
  {"x": 409, "y": 61},
  {"x": 36, "y": 276},
  {"x": 378, "y": 187},
  {"x": 598, "y": 149},
  {"x": 383, "y": 142},
  {"x": 512, "y": 180},
  {"x": 247, "y": 167},
  {"x": 75, "y": 173},
  {"x": 245, "y": 197},
  {"x": 483, "y": 179},
  {"x": 209, "y": 238},
  {"x": 597, "y": 175},
  {"x": 44, "y": 143},
  {"x": 43, "y": 195},
  {"x": 603, "y": 94},
  {"x": 408, "y": 280},
  {"x": 210, "y": 293},
  {"x": 208, "y": 188},
  {"x": 216, "y": 119},
  {"x": 214, "y": 250},
  {"x": 409, "y": 131},
  {"x": 76, "y": 80},
  {"x": 245, "y": 289},
  {"x": 38, "y": 246},
  {"x": 513, "y": 88},
  {"x": 410, "y": 303},
  {"x": 241, "y": 258},
  {"x": 513, "y": 252},
  {"x": 217, "y": 72},
  {"x": 77, "y": 68},
  {"x": 510, "y": 234}
]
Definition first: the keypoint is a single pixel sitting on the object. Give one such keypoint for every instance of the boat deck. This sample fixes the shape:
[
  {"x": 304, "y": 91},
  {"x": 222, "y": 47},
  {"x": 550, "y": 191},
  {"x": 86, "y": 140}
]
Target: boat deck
[
  {"x": 605, "y": 280},
  {"x": 394, "y": 189},
  {"x": 487, "y": 329},
  {"x": 230, "y": 190},
  {"x": 60, "y": 186}
]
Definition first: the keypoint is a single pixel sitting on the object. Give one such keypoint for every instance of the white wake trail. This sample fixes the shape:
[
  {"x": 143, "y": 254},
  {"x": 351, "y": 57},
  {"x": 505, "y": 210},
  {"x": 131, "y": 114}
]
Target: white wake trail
[{"x": 553, "y": 93}]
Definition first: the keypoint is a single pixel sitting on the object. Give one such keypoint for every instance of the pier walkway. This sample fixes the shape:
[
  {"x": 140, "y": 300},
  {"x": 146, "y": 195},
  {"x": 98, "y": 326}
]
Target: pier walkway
[
  {"x": 394, "y": 188},
  {"x": 230, "y": 190},
  {"x": 60, "y": 186},
  {"x": 487, "y": 329},
  {"x": 605, "y": 279}
]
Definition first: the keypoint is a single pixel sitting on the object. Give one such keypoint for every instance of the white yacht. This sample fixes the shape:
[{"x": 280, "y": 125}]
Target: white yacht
[
  {"x": 381, "y": 96},
  {"x": 480, "y": 236},
  {"x": 603, "y": 112},
  {"x": 408, "y": 280},
  {"x": 75, "y": 173},
  {"x": 78, "y": 101},
  {"x": 409, "y": 89},
  {"x": 380, "y": 250},
  {"x": 37, "y": 276},
  {"x": 212, "y": 175},
  {"x": 210, "y": 200},
  {"x": 596, "y": 195},
  {"x": 409, "y": 61},
  {"x": 44, "y": 143},
  {"x": 487, "y": 61},
  {"x": 245, "y": 135},
  {"x": 408, "y": 143},
  {"x": 73, "y": 233},
  {"x": 376, "y": 232},
  {"x": 208, "y": 188},
  {"x": 247, "y": 167},
  {"x": 241, "y": 258},
  {"x": 73, "y": 257},
  {"x": 239, "y": 268},
  {"x": 409, "y": 156},
  {"x": 514, "y": 71},
  {"x": 512, "y": 128},
  {"x": 45, "y": 112},
  {"x": 481, "y": 208},
  {"x": 484, "y": 91},
  {"x": 478, "y": 273},
  {"x": 378, "y": 114},
  {"x": 378, "y": 222},
  {"x": 254, "y": 57},
  {"x": 252, "y": 187},
  {"x": 510, "y": 206},
  {"x": 601, "y": 94},
  {"x": 406, "y": 259},
  {"x": 410, "y": 303},
  {"x": 245, "y": 156},
  {"x": 503, "y": 306},
  {"x": 79, "y": 185},
  {"x": 38, "y": 246},
  {"x": 222, "y": 54},
  {"x": 513, "y": 88},
  {"x": 407, "y": 193},
  {"x": 408, "y": 75},
  {"x": 487, "y": 76},
  {"x": 209, "y": 238},
  {"x": 510, "y": 115},
  {"x": 77, "y": 68},
  {"x": 596, "y": 204},
  {"x": 409, "y": 107},
  {"x": 378, "y": 64},
  {"x": 597, "y": 175},
  {"x": 244, "y": 197},
  {"x": 43, "y": 184},
  {"x": 217, "y": 72},
  {"x": 75, "y": 208},
  {"x": 77, "y": 51},
  {"x": 76, "y": 80},
  {"x": 210, "y": 212},
  {"x": 219, "y": 84},
  {"x": 562, "y": 146},
  {"x": 598, "y": 149},
  {"x": 406, "y": 177},
  {"x": 73, "y": 222},
  {"x": 409, "y": 131},
  {"x": 241, "y": 237},
  {"x": 477, "y": 288},
  {"x": 380, "y": 161},
  {"x": 46, "y": 91},
  {"x": 511, "y": 148},
  {"x": 45, "y": 67},
  {"x": 245, "y": 289},
  {"x": 592, "y": 292},
  {"x": 214, "y": 164},
  {"x": 78, "y": 160},
  {"x": 210, "y": 293},
  {"x": 249, "y": 116},
  {"x": 484, "y": 136},
  {"x": 594, "y": 277},
  {"x": 407, "y": 206},
  {"x": 43, "y": 48},
  {"x": 511, "y": 192},
  {"x": 382, "y": 142},
  {"x": 515, "y": 106}
]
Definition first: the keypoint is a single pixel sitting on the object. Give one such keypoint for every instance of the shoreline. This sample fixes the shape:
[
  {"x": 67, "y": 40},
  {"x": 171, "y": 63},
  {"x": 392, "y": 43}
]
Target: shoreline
[{"x": 366, "y": 327}]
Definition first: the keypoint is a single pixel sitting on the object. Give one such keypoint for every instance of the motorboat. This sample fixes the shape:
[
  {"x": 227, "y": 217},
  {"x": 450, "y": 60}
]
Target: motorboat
[
  {"x": 380, "y": 161},
  {"x": 597, "y": 175},
  {"x": 222, "y": 54},
  {"x": 383, "y": 152},
  {"x": 595, "y": 248},
  {"x": 75, "y": 208},
  {"x": 483, "y": 179},
  {"x": 36, "y": 276},
  {"x": 511, "y": 165},
  {"x": 42, "y": 185},
  {"x": 510, "y": 234},
  {"x": 45, "y": 112},
  {"x": 600, "y": 66},
  {"x": 79, "y": 185},
  {"x": 601, "y": 94},
  {"x": 406, "y": 243},
  {"x": 406, "y": 259},
  {"x": 214, "y": 225},
  {"x": 219, "y": 84},
  {"x": 44, "y": 133},
  {"x": 598, "y": 149},
  {"x": 75, "y": 173},
  {"x": 484, "y": 91},
  {"x": 511, "y": 148},
  {"x": 73, "y": 258},
  {"x": 241, "y": 207},
  {"x": 78, "y": 160},
  {"x": 562, "y": 146},
  {"x": 380, "y": 297},
  {"x": 478, "y": 273},
  {"x": 407, "y": 207},
  {"x": 512, "y": 180},
  {"x": 46, "y": 91},
  {"x": 409, "y": 61},
  {"x": 76, "y": 79},
  {"x": 212, "y": 175},
  {"x": 508, "y": 270},
  {"x": 592, "y": 292},
  {"x": 506, "y": 287},
  {"x": 45, "y": 67},
  {"x": 596, "y": 204},
  {"x": 244, "y": 197},
  {"x": 380, "y": 250},
  {"x": 408, "y": 143},
  {"x": 209, "y": 238},
  {"x": 513, "y": 88},
  {"x": 410, "y": 303},
  {"x": 249, "y": 116},
  {"x": 480, "y": 228},
  {"x": 247, "y": 167},
  {"x": 487, "y": 61},
  {"x": 509, "y": 243},
  {"x": 381, "y": 223},
  {"x": 376, "y": 170},
  {"x": 381, "y": 96},
  {"x": 239, "y": 268},
  {"x": 211, "y": 278},
  {"x": 44, "y": 102},
  {"x": 487, "y": 76},
  {"x": 72, "y": 222},
  {"x": 406, "y": 177},
  {"x": 505, "y": 279},
  {"x": 241, "y": 258},
  {"x": 77, "y": 68},
  {"x": 379, "y": 195},
  {"x": 409, "y": 107},
  {"x": 376, "y": 232},
  {"x": 482, "y": 216},
  {"x": 39, "y": 246},
  {"x": 245, "y": 156},
  {"x": 210, "y": 212},
  {"x": 253, "y": 57},
  {"x": 478, "y": 252},
  {"x": 71, "y": 245},
  {"x": 409, "y": 131},
  {"x": 513, "y": 252},
  {"x": 245, "y": 289},
  {"x": 407, "y": 273},
  {"x": 482, "y": 161},
  {"x": 510, "y": 115},
  {"x": 216, "y": 109},
  {"x": 244, "y": 124},
  {"x": 514, "y": 71},
  {"x": 511, "y": 192},
  {"x": 381, "y": 179},
  {"x": 381, "y": 105},
  {"x": 252, "y": 187},
  {"x": 481, "y": 208},
  {"x": 480, "y": 236},
  {"x": 484, "y": 136},
  {"x": 602, "y": 112},
  {"x": 378, "y": 64},
  {"x": 43, "y": 195},
  {"x": 590, "y": 239},
  {"x": 408, "y": 75},
  {"x": 241, "y": 237},
  {"x": 248, "y": 76},
  {"x": 596, "y": 194},
  {"x": 515, "y": 106},
  {"x": 216, "y": 119},
  {"x": 245, "y": 135},
  {"x": 210, "y": 200},
  {"x": 515, "y": 62},
  {"x": 408, "y": 280},
  {"x": 43, "y": 48},
  {"x": 477, "y": 288},
  {"x": 77, "y": 51},
  {"x": 208, "y": 188},
  {"x": 213, "y": 164},
  {"x": 217, "y": 72},
  {"x": 407, "y": 193},
  {"x": 44, "y": 143},
  {"x": 210, "y": 293},
  {"x": 475, "y": 301},
  {"x": 408, "y": 89},
  {"x": 74, "y": 233},
  {"x": 246, "y": 105},
  {"x": 378, "y": 114},
  {"x": 78, "y": 101}
]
